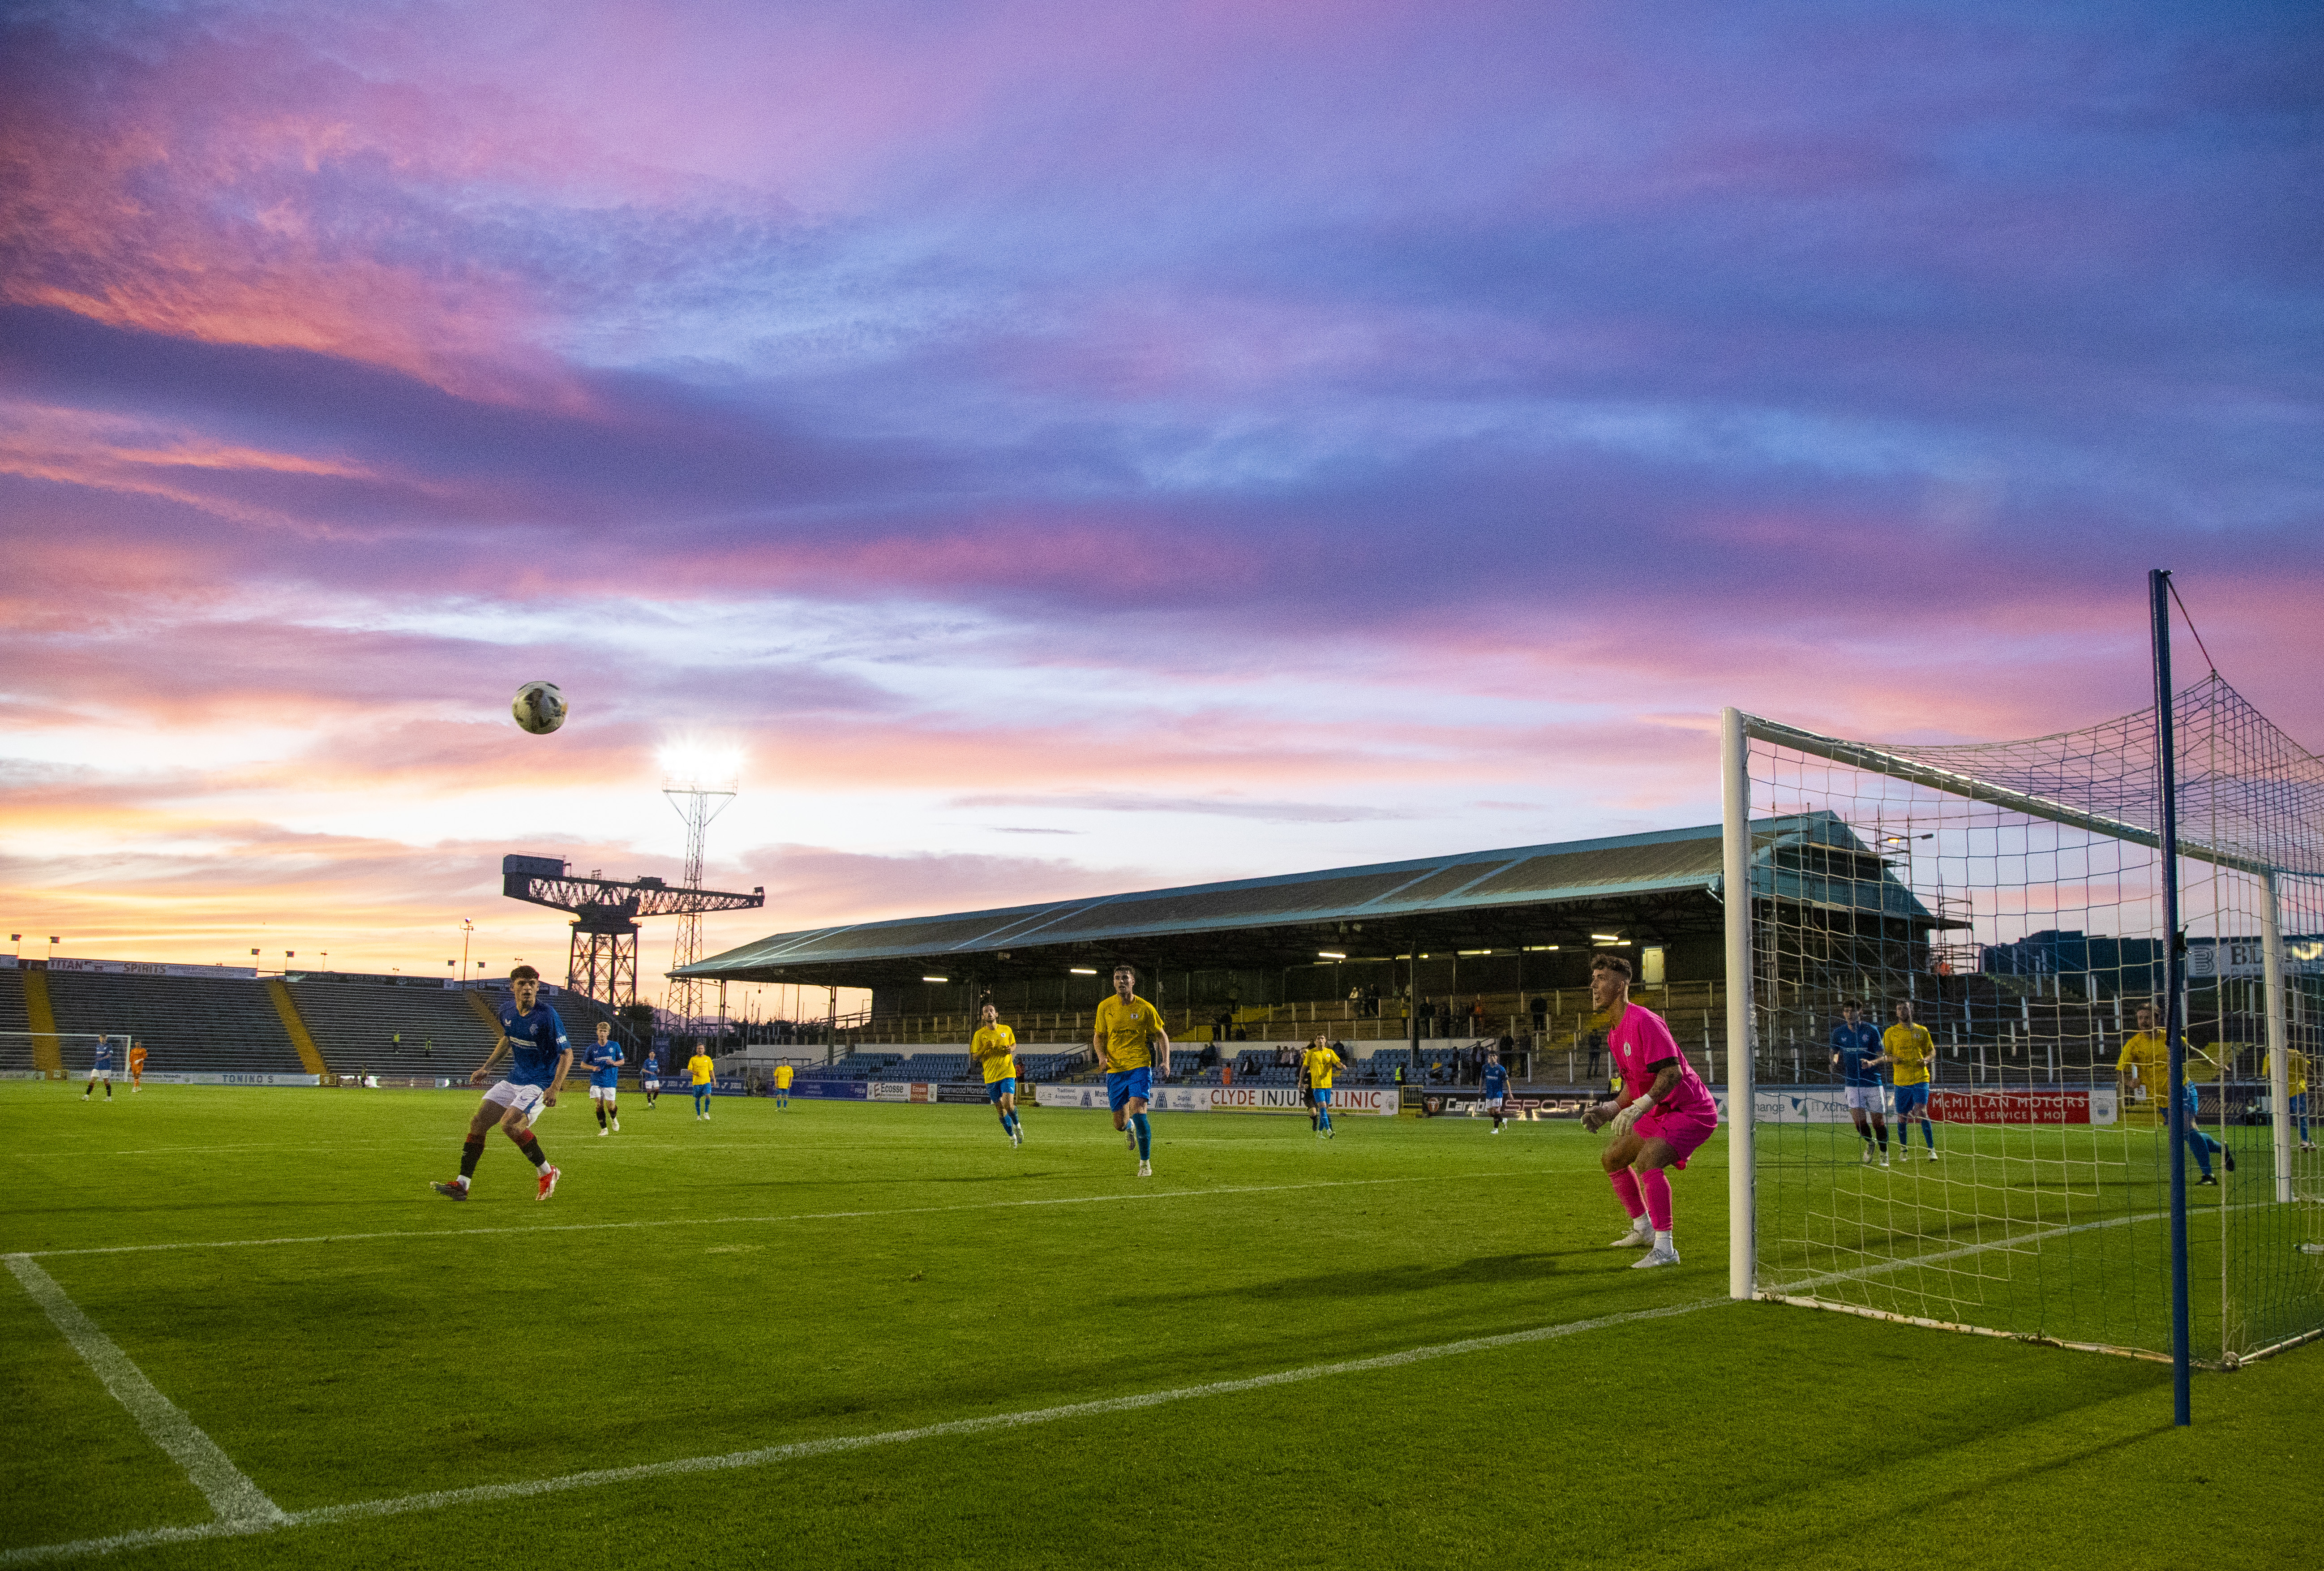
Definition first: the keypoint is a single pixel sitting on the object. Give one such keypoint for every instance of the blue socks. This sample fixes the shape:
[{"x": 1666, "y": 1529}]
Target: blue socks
[
  {"x": 1929, "y": 1133},
  {"x": 1144, "y": 1132},
  {"x": 1327, "y": 1122}
]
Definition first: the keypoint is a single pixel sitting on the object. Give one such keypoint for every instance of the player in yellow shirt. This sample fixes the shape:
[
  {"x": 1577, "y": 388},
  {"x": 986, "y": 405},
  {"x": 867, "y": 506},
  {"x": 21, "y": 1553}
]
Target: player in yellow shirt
[
  {"x": 704, "y": 1073},
  {"x": 2145, "y": 1064},
  {"x": 782, "y": 1087},
  {"x": 2295, "y": 1088},
  {"x": 1319, "y": 1060},
  {"x": 1131, "y": 1044},
  {"x": 994, "y": 1048},
  {"x": 2145, "y": 1060},
  {"x": 1911, "y": 1053}
]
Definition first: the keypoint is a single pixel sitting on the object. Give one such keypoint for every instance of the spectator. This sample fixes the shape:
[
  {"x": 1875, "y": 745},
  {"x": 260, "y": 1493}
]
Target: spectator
[{"x": 1477, "y": 1020}]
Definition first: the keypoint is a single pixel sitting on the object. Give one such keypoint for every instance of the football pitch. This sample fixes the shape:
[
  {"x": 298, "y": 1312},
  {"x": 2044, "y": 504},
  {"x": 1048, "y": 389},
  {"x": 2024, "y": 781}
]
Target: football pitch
[{"x": 240, "y": 1330}]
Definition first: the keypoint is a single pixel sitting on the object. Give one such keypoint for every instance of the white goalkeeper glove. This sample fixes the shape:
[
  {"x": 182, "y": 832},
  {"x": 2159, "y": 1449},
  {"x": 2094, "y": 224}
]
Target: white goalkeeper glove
[{"x": 1630, "y": 1116}]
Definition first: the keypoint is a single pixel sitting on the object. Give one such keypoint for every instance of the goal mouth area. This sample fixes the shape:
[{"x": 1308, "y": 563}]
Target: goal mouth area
[{"x": 2078, "y": 1005}]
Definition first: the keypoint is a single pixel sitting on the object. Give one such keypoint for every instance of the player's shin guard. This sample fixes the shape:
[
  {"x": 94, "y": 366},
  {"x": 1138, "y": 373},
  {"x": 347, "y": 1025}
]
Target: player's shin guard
[
  {"x": 468, "y": 1155},
  {"x": 531, "y": 1150},
  {"x": 1144, "y": 1132},
  {"x": 1625, "y": 1190},
  {"x": 1654, "y": 1184}
]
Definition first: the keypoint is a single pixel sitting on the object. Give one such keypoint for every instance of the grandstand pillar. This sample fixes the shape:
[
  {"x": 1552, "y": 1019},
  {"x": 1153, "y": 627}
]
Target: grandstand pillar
[
  {"x": 2279, "y": 1065},
  {"x": 1735, "y": 897}
]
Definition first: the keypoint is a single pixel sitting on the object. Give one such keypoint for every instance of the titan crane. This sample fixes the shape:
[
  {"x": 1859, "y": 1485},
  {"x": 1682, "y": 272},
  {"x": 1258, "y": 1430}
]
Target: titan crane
[{"x": 605, "y": 915}]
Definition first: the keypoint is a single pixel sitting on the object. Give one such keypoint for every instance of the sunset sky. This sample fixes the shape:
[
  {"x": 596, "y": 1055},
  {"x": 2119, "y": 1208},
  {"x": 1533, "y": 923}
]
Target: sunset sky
[{"x": 1068, "y": 447}]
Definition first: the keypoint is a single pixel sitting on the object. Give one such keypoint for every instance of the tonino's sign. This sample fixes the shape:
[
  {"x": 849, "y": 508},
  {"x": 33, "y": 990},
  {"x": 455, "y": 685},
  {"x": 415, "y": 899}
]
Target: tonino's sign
[
  {"x": 1349, "y": 1099},
  {"x": 1948, "y": 1105}
]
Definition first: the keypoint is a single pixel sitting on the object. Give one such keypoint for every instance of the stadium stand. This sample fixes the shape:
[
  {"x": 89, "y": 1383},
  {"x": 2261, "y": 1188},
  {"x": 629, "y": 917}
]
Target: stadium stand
[
  {"x": 15, "y": 1043},
  {"x": 189, "y": 1025},
  {"x": 357, "y": 1020}
]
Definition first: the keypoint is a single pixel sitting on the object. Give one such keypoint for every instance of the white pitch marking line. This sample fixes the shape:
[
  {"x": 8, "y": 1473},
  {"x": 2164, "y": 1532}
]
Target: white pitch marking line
[
  {"x": 438, "y": 1500},
  {"x": 2015, "y": 1242},
  {"x": 235, "y": 1499},
  {"x": 738, "y": 1221}
]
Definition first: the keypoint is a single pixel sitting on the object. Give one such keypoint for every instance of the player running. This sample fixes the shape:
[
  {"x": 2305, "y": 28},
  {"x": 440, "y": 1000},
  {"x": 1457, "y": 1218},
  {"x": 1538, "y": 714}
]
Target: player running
[
  {"x": 782, "y": 1087},
  {"x": 1663, "y": 1114},
  {"x": 1855, "y": 1048},
  {"x": 2145, "y": 1060},
  {"x": 994, "y": 1048},
  {"x": 705, "y": 1076},
  {"x": 1131, "y": 1044},
  {"x": 136, "y": 1065},
  {"x": 1911, "y": 1053},
  {"x": 101, "y": 1068},
  {"x": 1496, "y": 1089},
  {"x": 538, "y": 1056},
  {"x": 1317, "y": 1064},
  {"x": 604, "y": 1064}
]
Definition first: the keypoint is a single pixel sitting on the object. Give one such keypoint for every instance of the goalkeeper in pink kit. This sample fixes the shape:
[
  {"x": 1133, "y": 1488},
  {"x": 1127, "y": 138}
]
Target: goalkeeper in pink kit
[{"x": 1663, "y": 1115}]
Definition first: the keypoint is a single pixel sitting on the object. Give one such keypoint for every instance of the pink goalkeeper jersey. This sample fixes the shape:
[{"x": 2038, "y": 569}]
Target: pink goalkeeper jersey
[{"x": 1643, "y": 1039}]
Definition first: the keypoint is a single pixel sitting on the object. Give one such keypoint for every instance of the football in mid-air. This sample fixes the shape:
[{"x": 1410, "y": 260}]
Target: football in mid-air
[{"x": 539, "y": 707}]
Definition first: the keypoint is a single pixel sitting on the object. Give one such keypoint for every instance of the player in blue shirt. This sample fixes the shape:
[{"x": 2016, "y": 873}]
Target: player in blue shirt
[
  {"x": 102, "y": 1069},
  {"x": 650, "y": 1075},
  {"x": 604, "y": 1062},
  {"x": 1496, "y": 1088},
  {"x": 538, "y": 1056},
  {"x": 1855, "y": 1044}
]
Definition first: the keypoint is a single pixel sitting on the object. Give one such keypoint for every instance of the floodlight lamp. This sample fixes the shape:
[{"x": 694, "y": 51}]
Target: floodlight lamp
[
  {"x": 1605, "y": 938},
  {"x": 935, "y": 979},
  {"x": 1332, "y": 954},
  {"x": 692, "y": 765},
  {"x": 1080, "y": 971}
]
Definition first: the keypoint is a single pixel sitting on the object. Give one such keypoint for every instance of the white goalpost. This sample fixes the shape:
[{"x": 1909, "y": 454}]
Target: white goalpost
[
  {"x": 2112, "y": 1100},
  {"x": 59, "y": 1055}
]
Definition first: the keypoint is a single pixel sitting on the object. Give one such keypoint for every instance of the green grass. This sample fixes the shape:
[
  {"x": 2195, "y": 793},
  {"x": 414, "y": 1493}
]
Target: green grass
[{"x": 700, "y": 1288}]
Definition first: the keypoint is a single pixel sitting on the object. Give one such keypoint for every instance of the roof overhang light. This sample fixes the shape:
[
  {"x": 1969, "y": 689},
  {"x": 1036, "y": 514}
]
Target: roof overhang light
[
  {"x": 935, "y": 979},
  {"x": 1330, "y": 954},
  {"x": 1080, "y": 971},
  {"x": 1605, "y": 938}
]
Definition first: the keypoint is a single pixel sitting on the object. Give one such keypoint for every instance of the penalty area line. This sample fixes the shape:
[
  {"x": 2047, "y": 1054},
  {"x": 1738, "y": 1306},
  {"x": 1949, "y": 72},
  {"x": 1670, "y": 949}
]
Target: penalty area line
[
  {"x": 557, "y": 1227},
  {"x": 237, "y": 1502},
  {"x": 488, "y": 1494}
]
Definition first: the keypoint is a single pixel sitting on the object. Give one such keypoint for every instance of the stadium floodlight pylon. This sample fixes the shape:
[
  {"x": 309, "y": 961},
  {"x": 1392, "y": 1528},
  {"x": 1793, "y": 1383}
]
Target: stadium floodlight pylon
[
  {"x": 2012, "y": 893},
  {"x": 700, "y": 785}
]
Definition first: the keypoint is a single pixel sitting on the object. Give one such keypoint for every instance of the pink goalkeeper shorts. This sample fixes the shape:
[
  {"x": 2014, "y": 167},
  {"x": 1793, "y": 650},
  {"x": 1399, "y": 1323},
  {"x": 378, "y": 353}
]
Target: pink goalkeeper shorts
[{"x": 1684, "y": 1131}]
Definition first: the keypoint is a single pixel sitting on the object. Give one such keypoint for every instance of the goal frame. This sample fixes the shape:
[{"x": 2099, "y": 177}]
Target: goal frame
[{"x": 1737, "y": 731}]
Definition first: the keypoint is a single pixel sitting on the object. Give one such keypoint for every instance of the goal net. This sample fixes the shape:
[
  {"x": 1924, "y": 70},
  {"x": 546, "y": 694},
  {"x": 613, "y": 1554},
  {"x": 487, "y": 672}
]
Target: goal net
[
  {"x": 1996, "y": 912},
  {"x": 59, "y": 1055}
]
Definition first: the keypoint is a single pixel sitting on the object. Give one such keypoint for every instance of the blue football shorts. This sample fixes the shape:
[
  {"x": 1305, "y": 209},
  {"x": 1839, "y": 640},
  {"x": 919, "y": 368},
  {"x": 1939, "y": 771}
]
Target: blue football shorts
[
  {"x": 1909, "y": 1097},
  {"x": 994, "y": 1090},
  {"x": 1124, "y": 1083}
]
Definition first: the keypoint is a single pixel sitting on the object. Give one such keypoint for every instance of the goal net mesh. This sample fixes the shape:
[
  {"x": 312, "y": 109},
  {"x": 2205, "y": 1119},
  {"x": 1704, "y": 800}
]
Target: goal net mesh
[{"x": 2008, "y": 896}]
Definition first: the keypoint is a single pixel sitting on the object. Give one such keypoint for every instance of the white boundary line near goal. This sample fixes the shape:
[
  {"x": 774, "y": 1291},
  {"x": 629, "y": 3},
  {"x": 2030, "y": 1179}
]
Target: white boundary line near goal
[
  {"x": 237, "y": 1502},
  {"x": 557, "y": 1227},
  {"x": 438, "y": 1500}
]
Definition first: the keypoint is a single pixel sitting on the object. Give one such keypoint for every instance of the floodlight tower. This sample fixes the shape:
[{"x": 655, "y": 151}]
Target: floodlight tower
[{"x": 700, "y": 785}]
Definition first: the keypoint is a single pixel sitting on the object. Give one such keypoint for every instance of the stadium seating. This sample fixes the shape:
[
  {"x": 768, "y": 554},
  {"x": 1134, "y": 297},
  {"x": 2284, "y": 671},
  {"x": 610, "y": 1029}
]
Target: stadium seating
[
  {"x": 189, "y": 1025},
  {"x": 356, "y": 1020},
  {"x": 15, "y": 1050}
]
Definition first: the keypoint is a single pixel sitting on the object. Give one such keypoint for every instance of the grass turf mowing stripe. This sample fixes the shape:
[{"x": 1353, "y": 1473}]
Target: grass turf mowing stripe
[
  {"x": 235, "y": 1499},
  {"x": 740, "y": 1221},
  {"x": 441, "y": 1500}
]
